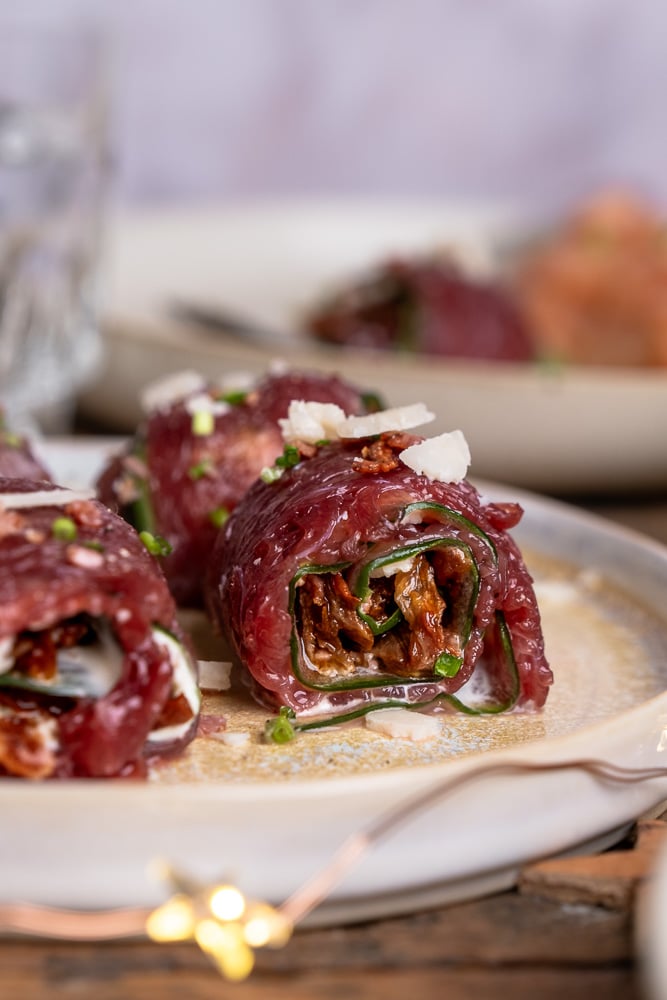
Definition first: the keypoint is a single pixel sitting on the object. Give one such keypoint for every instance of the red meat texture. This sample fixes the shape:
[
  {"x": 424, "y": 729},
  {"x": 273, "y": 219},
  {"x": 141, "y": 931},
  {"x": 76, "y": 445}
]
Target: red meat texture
[
  {"x": 103, "y": 572},
  {"x": 326, "y": 511},
  {"x": 245, "y": 439}
]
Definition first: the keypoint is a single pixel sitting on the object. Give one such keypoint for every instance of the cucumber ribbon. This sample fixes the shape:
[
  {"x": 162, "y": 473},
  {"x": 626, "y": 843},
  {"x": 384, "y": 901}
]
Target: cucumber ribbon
[{"x": 460, "y": 596}]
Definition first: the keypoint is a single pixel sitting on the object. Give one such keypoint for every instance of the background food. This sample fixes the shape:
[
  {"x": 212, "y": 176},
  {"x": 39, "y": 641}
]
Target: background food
[
  {"x": 425, "y": 305},
  {"x": 595, "y": 291}
]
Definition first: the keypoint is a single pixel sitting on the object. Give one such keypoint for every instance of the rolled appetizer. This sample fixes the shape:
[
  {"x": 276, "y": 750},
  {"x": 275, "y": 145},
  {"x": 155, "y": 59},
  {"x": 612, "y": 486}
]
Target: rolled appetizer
[
  {"x": 96, "y": 676},
  {"x": 198, "y": 451},
  {"x": 425, "y": 306},
  {"x": 17, "y": 455},
  {"x": 369, "y": 573}
]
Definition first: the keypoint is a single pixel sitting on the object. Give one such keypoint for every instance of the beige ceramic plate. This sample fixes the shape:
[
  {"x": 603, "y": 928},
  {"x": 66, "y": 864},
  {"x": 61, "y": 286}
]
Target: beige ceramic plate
[
  {"x": 271, "y": 816},
  {"x": 555, "y": 430}
]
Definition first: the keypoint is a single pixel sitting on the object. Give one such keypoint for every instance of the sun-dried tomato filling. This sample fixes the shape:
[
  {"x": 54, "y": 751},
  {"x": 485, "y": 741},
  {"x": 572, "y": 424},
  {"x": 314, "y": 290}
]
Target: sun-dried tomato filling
[
  {"x": 36, "y": 653},
  {"x": 420, "y": 613}
]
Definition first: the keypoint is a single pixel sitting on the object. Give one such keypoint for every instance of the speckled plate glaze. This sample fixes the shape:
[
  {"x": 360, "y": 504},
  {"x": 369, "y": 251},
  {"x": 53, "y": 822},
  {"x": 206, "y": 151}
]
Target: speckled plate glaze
[{"x": 271, "y": 816}]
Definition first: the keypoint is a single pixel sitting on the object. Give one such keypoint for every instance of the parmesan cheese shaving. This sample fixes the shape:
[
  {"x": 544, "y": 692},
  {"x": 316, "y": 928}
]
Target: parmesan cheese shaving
[
  {"x": 403, "y": 724},
  {"x": 234, "y": 739},
  {"x": 399, "y": 418},
  {"x": 214, "y": 675},
  {"x": 79, "y": 555},
  {"x": 311, "y": 422},
  {"x": 43, "y": 498},
  {"x": 444, "y": 458},
  {"x": 203, "y": 403},
  {"x": 6, "y": 657},
  {"x": 236, "y": 382},
  {"x": 163, "y": 392},
  {"x": 390, "y": 569}
]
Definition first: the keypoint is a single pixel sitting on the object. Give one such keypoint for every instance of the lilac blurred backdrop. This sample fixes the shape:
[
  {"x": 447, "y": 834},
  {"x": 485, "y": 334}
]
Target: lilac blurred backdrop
[{"x": 541, "y": 100}]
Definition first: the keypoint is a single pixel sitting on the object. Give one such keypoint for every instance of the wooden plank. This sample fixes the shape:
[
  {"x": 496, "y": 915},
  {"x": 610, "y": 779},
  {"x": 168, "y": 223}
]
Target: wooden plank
[
  {"x": 64, "y": 976},
  {"x": 610, "y": 879},
  {"x": 501, "y": 932}
]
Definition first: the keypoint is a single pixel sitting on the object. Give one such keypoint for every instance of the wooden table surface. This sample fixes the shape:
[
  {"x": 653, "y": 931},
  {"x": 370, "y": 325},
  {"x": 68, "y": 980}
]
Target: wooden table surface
[{"x": 525, "y": 943}]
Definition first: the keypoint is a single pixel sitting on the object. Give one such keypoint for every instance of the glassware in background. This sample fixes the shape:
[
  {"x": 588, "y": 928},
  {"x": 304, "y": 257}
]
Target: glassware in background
[{"x": 53, "y": 172}]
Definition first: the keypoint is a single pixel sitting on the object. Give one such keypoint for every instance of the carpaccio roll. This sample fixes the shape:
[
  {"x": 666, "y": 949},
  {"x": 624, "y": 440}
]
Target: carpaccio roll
[
  {"x": 198, "y": 451},
  {"x": 17, "y": 456},
  {"x": 96, "y": 675},
  {"x": 425, "y": 306},
  {"x": 355, "y": 581}
]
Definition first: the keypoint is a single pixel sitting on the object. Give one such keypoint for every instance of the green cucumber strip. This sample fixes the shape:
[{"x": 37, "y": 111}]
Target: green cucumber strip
[
  {"x": 184, "y": 682},
  {"x": 447, "y": 666},
  {"x": 362, "y": 584},
  {"x": 450, "y": 515},
  {"x": 486, "y": 708},
  {"x": 140, "y": 512},
  {"x": 89, "y": 671},
  {"x": 503, "y": 705}
]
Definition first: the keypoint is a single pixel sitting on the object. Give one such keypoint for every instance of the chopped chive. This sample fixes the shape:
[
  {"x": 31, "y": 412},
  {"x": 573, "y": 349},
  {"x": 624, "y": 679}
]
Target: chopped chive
[
  {"x": 218, "y": 516},
  {"x": 289, "y": 457},
  {"x": 372, "y": 402},
  {"x": 156, "y": 544},
  {"x": 280, "y": 729},
  {"x": 270, "y": 473},
  {"x": 64, "y": 529},
  {"x": 322, "y": 442},
  {"x": 447, "y": 665},
  {"x": 203, "y": 423},
  {"x": 234, "y": 397},
  {"x": 201, "y": 469},
  {"x": 11, "y": 440},
  {"x": 94, "y": 545}
]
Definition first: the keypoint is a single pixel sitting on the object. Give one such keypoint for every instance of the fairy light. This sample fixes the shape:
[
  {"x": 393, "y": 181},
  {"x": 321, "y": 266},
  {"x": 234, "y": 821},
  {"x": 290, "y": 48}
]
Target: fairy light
[
  {"x": 220, "y": 919},
  {"x": 228, "y": 926},
  {"x": 173, "y": 921},
  {"x": 226, "y": 903},
  {"x": 226, "y": 945},
  {"x": 267, "y": 927}
]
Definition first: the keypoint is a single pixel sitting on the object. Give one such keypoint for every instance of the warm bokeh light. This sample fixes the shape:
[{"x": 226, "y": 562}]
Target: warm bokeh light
[
  {"x": 227, "y": 903},
  {"x": 174, "y": 921},
  {"x": 221, "y": 920}
]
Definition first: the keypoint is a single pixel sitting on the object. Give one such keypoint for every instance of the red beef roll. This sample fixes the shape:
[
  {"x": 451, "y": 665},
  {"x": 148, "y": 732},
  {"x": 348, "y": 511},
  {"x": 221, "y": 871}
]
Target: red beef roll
[
  {"x": 96, "y": 675},
  {"x": 17, "y": 456},
  {"x": 425, "y": 306},
  {"x": 353, "y": 582},
  {"x": 196, "y": 455}
]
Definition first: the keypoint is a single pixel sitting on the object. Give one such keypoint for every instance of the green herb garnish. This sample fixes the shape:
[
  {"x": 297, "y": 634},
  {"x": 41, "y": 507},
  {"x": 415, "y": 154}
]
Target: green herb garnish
[
  {"x": 447, "y": 665},
  {"x": 156, "y": 544},
  {"x": 12, "y": 440},
  {"x": 203, "y": 423},
  {"x": 218, "y": 516},
  {"x": 234, "y": 397},
  {"x": 201, "y": 469},
  {"x": 289, "y": 458},
  {"x": 94, "y": 545},
  {"x": 372, "y": 402},
  {"x": 64, "y": 529},
  {"x": 270, "y": 473},
  {"x": 280, "y": 729}
]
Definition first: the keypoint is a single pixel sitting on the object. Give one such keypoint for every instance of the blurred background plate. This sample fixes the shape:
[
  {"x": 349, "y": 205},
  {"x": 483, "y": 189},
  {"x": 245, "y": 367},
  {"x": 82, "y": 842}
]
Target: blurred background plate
[{"x": 562, "y": 430}]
